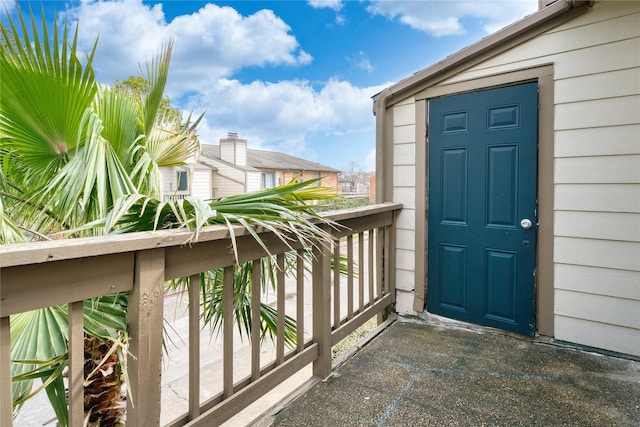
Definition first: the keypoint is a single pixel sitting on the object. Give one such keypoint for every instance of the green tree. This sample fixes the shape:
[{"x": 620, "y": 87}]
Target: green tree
[
  {"x": 81, "y": 159},
  {"x": 138, "y": 87}
]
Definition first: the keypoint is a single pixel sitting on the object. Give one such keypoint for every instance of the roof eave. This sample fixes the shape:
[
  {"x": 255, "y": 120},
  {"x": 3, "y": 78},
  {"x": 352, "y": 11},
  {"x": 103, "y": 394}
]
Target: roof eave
[{"x": 519, "y": 29}]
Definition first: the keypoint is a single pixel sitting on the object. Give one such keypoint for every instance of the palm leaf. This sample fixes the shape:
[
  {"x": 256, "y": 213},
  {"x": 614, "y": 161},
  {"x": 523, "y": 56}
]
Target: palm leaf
[{"x": 45, "y": 93}]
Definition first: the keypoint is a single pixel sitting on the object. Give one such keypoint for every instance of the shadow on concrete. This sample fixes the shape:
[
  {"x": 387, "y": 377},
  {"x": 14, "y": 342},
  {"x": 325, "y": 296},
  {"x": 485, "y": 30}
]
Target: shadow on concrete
[{"x": 422, "y": 374}]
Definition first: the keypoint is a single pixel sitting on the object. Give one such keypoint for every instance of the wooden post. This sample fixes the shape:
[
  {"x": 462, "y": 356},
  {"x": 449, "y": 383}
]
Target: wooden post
[
  {"x": 321, "y": 282},
  {"x": 6, "y": 399},
  {"x": 146, "y": 302},
  {"x": 227, "y": 332},
  {"x": 194, "y": 346},
  {"x": 350, "y": 276},
  {"x": 300, "y": 300},
  {"x": 256, "y": 279},
  {"x": 280, "y": 307},
  {"x": 380, "y": 266},
  {"x": 76, "y": 365}
]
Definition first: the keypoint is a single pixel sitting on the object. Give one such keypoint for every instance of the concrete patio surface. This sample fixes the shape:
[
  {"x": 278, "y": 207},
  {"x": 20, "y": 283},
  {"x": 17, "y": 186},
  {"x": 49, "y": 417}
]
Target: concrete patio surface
[{"x": 423, "y": 374}]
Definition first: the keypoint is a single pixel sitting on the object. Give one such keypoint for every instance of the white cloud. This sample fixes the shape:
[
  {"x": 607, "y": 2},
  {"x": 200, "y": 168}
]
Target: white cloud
[
  {"x": 361, "y": 62},
  {"x": 444, "y": 17},
  {"x": 7, "y": 6},
  {"x": 211, "y": 43},
  {"x": 328, "y": 4},
  {"x": 283, "y": 112}
]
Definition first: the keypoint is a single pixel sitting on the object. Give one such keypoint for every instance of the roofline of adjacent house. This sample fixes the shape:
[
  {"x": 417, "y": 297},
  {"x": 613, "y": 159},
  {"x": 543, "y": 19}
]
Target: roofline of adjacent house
[
  {"x": 517, "y": 30},
  {"x": 318, "y": 167}
]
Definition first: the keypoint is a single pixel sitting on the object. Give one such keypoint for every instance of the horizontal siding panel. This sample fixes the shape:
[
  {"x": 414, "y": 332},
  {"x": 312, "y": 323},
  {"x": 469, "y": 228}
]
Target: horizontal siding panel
[
  {"x": 597, "y": 113},
  {"x": 610, "y": 140},
  {"x": 407, "y": 101},
  {"x": 404, "y": 114},
  {"x": 405, "y": 259},
  {"x": 254, "y": 181},
  {"x": 404, "y": 302},
  {"x": 226, "y": 187},
  {"x": 598, "y": 225},
  {"x": 405, "y": 239},
  {"x": 406, "y": 196},
  {"x": 404, "y": 134},
  {"x": 598, "y": 59},
  {"x": 404, "y": 176},
  {"x": 598, "y": 308},
  {"x": 599, "y": 335},
  {"x": 406, "y": 219},
  {"x": 598, "y": 86},
  {"x": 598, "y": 170},
  {"x": 576, "y": 36},
  {"x": 594, "y": 60},
  {"x": 597, "y": 253},
  {"x": 404, "y": 154},
  {"x": 200, "y": 186},
  {"x": 600, "y": 281},
  {"x": 603, "y": 11},
  {"x": 405, "y": 280},
  {"x": 598, "y": 197}
]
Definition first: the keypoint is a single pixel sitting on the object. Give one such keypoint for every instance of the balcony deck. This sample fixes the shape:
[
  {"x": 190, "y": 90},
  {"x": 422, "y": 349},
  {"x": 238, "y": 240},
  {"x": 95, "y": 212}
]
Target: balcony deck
[
  {"x": 419, "y": 374},
  {"x": 411, "y": 374}
]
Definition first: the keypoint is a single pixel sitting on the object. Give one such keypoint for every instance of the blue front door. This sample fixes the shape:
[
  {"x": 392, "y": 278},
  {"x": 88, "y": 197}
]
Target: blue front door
[{"x": 482, "y": 207}]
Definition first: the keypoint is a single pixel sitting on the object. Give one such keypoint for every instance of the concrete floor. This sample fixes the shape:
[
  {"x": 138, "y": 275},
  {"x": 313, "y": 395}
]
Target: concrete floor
[{"x": 422, "y": 374}]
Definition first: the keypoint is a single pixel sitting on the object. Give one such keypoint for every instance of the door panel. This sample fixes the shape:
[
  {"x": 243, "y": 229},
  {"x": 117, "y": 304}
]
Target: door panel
[{"x": 482, "y": 183}]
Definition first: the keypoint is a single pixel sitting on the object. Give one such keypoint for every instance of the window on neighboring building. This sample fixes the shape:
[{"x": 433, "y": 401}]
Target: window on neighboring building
[
  {"x": 268, "y": 180},
  {"x": 183, "y": 181},
  {"x": 316, "y": 175}
]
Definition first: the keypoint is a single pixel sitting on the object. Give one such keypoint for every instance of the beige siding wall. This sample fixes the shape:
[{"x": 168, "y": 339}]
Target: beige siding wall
[
  {"x": 254, "y": 181},
  {"x": 201, "y": 184},
  {"x": 404, "y": 172},
  {"x": 596, "y": 60},
  {"x": 223, "y": 186},
  {"x": 169, "y": 180}
]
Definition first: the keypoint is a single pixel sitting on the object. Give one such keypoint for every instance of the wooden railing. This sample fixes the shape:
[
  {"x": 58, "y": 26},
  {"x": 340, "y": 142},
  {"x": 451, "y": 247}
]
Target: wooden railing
[{"x": 37, "y": 275}]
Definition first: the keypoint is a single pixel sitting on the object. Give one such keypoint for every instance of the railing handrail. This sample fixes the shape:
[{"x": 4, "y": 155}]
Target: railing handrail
[
  {"x": 43, "y": 274},
  {"x": 16, "y": 254}
]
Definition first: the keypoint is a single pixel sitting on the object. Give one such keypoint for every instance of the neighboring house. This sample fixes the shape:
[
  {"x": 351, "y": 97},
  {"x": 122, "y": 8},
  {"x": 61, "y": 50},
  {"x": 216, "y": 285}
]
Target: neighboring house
[
  {"x": 232, "y": 168},
  {"x": 522, "y": 203},
  {"x": 355, "y": 186}
]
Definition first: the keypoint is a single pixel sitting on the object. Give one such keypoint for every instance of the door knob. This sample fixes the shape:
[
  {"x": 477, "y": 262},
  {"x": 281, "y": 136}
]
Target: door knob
[{"x": 526, "y": 223}]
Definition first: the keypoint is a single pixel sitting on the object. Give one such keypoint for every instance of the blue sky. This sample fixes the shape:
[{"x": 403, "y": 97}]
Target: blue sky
[{"x": 293, "y": 76}]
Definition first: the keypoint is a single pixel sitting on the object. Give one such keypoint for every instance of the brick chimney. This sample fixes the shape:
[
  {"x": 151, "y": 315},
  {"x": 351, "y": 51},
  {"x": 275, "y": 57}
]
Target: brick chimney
[{"x": 234, "y": 149}]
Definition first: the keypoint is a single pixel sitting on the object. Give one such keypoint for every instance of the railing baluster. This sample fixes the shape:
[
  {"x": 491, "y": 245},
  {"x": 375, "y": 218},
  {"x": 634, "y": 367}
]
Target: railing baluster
[
  {"x": 6, "y": 400},
  {"x": 336, "y": 284},
  {"x": 360, "y": 272},
  {"x": 300, "y": 300},
  {"x": 370, "y": 262},
  {"x": 380, "y": 264},
  {"x": 322, "y": 310},
  {"x": 379, "y": 261},
  {"x": 194, "y": 346},
  {"x": 145, "y": 338},
  {"x": 350, "y": 276},
  {"x": 255, "y": 319},
  {"x": 227, "y": 334},
  {"x": 390, "y": 258},
  {"x": 162, "y": 257},
  {"x": 76, "y": 365},
  {"x": 280, "y": 307}
]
